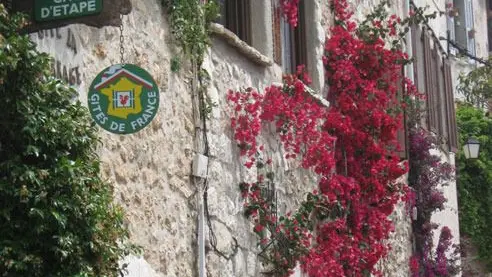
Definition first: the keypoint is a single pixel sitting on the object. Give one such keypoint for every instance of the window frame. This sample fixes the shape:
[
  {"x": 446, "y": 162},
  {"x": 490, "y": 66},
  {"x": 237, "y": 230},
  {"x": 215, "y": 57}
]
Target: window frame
[
  {"x": 460, "y": 26},
  {"x": 287, "y": 37},
  {"x": 236, "y": 17}
]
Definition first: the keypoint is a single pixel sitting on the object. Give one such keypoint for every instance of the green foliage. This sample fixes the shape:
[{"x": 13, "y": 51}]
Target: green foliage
[
  {"x": 190, "y": 20},
  {"x": 175, "y": 64},
  {"x": 477, "y": 85},
  {"x": 367, "y": 31},
  {"x": 56, "y": 214},
  {"x": 475, "y": 181}
]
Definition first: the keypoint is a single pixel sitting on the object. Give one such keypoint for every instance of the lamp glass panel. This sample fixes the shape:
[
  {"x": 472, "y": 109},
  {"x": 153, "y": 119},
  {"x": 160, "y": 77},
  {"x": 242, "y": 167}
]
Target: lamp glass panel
[
  {"x": 474, "y": 148},
  {"x": 466, "y": 150}
]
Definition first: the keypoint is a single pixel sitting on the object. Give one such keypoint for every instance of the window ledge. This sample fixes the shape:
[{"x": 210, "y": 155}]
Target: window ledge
[
  {"x": 462, "y": 61},
  {"x": 322, "y": 101},
  {"x": 247, "y": 50}
]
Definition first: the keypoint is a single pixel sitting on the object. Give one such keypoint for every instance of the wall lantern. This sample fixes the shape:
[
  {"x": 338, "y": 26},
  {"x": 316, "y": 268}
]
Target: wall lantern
[{"x": 471, "y": 148}]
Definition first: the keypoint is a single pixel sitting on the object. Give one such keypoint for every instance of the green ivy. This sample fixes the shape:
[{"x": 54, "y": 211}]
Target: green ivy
[
  {"x": 190, "y": 21},
  {"x": 57, "y": 218},
  {"x": 475, "y": 181}
]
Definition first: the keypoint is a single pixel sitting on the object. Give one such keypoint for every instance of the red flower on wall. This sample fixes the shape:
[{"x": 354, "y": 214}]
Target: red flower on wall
[{"x": 351, "y": 146}]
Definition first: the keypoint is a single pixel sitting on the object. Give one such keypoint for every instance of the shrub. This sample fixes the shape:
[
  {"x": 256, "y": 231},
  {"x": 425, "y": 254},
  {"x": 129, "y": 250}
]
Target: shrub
[{"x": 56, "y": 214}]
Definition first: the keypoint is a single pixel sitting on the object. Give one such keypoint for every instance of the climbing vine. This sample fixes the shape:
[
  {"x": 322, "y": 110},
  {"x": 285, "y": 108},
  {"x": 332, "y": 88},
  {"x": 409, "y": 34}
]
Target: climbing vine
[
  {"x": 190, "y": 21},
  {"x": 475, "y": 181},
  {"x": 57, "y": 217},
  {"x": 351, "y": 146},
  {"x": 190, "y": 24}
]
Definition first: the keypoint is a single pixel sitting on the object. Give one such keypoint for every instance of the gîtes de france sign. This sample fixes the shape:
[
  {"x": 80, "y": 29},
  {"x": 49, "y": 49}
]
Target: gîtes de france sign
[
  {"x": 123, "y": 99},
  {"x": 46, "y": 10}
]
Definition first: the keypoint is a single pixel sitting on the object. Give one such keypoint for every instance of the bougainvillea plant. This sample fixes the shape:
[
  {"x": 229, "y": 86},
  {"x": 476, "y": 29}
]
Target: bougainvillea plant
[
  {"x": 442, "y": 263},
  {"x": 427, "y": 174},
  {"x": 351, "y": 146},
  {"x": 290, "y": 9}
]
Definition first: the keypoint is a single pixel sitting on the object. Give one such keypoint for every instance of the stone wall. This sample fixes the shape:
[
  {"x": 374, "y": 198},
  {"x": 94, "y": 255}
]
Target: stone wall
[
  {"x": 151, "y": 170},
  {"x": 232, "y": 70},
  {"x": 481, "y": 29},
  {"x": 396, "y": 263}
]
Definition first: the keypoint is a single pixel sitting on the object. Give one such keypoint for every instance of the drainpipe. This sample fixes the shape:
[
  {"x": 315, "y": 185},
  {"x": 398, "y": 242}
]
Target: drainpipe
[{"x": 199, "y": 171}]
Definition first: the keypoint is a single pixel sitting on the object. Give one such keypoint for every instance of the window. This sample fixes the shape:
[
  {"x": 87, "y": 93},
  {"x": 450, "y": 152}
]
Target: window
[
  {"x": 489, "y": 23},
  {"x": 289, "y": 49},
  {"x": 489, "y": 32},
  {"x": 461, "y": 25},
  {"x": 432, "y": 120},
  {"x": 441, "y": 118},
  {"x": 235, "y": 15},
  {"x": 438, "y": 92}
]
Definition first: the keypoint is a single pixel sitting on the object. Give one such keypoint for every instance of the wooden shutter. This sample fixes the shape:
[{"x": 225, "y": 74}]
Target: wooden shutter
[
  {"x": 395, "y": 103},
  {"x": 451, "y": 113},
  {"x": 444, "y": 103},
  {"x": 438, "y": 103},
  {"x": 238, "y": 18},
  {"x": 277, "y": 40},
  {"x": 300, "y": 37},
  {"x": 245, "y": 14},
  {"x": 401, "y": 134},
  {"x": 402, "y": 138},
  {"x": 429, "y": 83},
  {"x": 416, "y": 62}
]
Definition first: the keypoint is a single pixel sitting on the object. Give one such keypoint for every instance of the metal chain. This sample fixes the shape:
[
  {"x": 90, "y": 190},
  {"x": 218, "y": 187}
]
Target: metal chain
[{"x": 122, "y": 41}]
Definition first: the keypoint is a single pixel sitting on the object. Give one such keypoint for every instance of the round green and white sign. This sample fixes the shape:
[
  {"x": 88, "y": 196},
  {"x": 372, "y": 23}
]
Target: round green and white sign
[{"x": 123, "y": 99}]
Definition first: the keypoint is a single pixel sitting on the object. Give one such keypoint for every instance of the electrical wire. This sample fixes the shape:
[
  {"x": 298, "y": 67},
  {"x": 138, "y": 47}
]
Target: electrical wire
[
  {"x": 212, "y": 236},
  {"x": 437, "y": 7},
  {"x": 446, "y": 53},
  {"x": 465, "y": 52}
]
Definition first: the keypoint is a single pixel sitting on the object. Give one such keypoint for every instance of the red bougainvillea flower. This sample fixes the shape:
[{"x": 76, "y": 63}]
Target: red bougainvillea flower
[
  {"x": 351, "y": 146},
  {"x": 290, "y": 10}
]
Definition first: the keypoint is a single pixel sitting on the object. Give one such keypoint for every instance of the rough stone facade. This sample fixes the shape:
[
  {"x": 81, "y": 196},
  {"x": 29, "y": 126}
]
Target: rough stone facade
[{"x": 151, "y": 170}]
